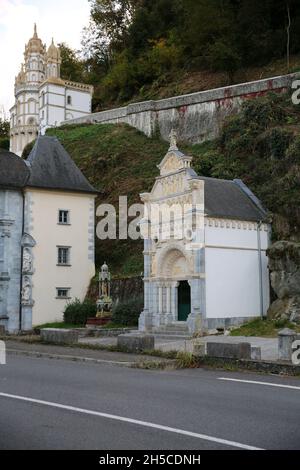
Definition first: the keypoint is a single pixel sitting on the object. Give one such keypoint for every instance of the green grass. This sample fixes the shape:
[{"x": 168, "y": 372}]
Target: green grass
[
  {"x": 264, "y": 328},
  {"x": 262, "y": 140}
]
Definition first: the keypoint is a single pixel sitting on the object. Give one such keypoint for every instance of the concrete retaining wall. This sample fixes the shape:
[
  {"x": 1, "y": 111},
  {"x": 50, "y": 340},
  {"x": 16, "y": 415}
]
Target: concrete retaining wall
[{"x": 197, "y": 116}]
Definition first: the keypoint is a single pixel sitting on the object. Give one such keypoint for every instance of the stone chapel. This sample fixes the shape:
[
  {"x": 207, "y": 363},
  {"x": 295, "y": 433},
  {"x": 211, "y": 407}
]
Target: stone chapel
[{"x": 214, "y": 272}]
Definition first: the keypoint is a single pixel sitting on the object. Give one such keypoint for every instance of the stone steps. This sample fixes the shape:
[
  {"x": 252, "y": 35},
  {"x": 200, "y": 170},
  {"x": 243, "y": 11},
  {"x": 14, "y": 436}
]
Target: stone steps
[
  {"x": 174, "y": 337},
  {"x": 177, "y": 331}
]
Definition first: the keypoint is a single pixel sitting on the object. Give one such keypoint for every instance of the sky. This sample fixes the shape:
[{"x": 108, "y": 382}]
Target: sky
[{"x": 61, "y": 19}]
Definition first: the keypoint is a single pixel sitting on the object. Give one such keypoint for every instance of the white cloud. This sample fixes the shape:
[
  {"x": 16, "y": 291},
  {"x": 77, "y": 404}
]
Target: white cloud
[{"x": 61, "y": 19}]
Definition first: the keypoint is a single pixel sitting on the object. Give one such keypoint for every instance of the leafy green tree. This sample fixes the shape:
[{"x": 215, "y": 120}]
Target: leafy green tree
[
  {"x": 72, "y": 68},
  {"x": 4, "y": 134}
]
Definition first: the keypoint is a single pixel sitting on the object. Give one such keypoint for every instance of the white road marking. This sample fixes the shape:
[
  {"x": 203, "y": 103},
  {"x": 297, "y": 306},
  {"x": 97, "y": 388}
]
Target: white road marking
[
  {"x": 270, "y": 384},
  {"x": 132, "y": 421}
]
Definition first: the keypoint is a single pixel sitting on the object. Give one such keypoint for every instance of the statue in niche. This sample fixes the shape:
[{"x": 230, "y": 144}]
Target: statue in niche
[
  {"x": 26, "y": 290},
  {"x": 27, "y": 261}
]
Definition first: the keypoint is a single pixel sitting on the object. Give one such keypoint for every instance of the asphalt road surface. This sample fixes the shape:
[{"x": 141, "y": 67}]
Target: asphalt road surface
[{"x": 58, "y": 404}]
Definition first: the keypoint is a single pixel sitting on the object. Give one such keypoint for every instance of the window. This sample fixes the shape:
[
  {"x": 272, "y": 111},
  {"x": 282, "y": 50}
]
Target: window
[
  {"x": 69, "y": 99},
  {"x": 63, "y": 258},
  {"x": 63, "y": 292},
  {"x": 63, "y": 217}
]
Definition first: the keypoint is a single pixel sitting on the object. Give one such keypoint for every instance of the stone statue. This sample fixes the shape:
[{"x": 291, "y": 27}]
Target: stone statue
[
  {"x": 26, "y": 290},
  {"x": 173, "y": 140},
  {"x": 27, "y": 261},
  {"x": 104, "y": 303}
]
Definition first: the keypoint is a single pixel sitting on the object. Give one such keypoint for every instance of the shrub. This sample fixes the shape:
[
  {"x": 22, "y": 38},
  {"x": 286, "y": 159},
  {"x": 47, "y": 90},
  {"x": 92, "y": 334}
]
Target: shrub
[
  {"x": 127, "y": 313},
  {"x": 78, "y": 312},
  {"x": 4, "y": 143}
]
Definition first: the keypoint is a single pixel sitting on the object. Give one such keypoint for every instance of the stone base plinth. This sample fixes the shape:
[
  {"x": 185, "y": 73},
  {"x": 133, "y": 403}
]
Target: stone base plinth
[
  {"x": 229, "y": 350},
  {"x": 59, "y": 336},
  {"x": 136, "y": 343},
  {"x": 98, "y": 321}
]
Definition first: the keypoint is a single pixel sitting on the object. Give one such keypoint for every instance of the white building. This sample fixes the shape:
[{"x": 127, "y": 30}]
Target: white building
[
  {"x": 47, "y": 241},
  {"x": 43, "y": 99},
  {"x": 214, "y": 273}
]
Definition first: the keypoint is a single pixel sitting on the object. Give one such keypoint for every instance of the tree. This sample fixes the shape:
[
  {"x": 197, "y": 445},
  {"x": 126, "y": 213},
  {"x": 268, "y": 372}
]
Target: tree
[
  {"x": 4, "y": 134},
  {"x": 72, "y": 68},
  {"x": 113, "y": 17}
]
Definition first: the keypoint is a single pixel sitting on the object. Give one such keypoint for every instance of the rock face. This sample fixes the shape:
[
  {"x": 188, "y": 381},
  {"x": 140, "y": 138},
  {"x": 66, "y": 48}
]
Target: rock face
[{"x": 284, "y": 264}]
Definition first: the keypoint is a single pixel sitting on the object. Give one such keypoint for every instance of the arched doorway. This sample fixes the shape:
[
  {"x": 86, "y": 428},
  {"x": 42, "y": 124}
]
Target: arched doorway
[{"x": 184, "y": 300}]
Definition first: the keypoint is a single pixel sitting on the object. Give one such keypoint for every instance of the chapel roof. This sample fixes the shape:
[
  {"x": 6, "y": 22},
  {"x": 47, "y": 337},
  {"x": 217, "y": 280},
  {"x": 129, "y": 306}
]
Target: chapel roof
[
  {"x": 14, "y": 172},
  {"x": 231, "y": 199},
  {"x": 51, "y": 167}
]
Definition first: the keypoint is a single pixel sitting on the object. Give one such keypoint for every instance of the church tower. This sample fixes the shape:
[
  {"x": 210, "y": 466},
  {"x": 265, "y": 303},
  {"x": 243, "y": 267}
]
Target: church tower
[
  {"x": 42, "y": 98},
  {"x": 35, "y": 60},
  {"x": 25, "y": 113},
  {"x": 53, "y": 63}
]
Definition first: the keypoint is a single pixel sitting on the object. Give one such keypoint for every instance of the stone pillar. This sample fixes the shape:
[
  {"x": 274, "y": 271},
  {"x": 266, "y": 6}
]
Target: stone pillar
[
  {"x": 160, "y": 299},
  {"x": 168, "y": 295},
  {"x": 174, "y": 301},
  {"x": 286, "y": 338},
  {"x": 195, "y": 318}
]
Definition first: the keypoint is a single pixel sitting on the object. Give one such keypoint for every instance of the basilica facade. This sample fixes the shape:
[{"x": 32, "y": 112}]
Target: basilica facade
[
  {"x": 42, "y": 98},
  {"x": 205, "y": 242}
]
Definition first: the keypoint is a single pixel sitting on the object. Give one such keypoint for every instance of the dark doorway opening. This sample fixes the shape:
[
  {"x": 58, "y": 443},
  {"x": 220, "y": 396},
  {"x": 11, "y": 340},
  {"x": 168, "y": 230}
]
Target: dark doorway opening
[{"x": 184, "y": 301}]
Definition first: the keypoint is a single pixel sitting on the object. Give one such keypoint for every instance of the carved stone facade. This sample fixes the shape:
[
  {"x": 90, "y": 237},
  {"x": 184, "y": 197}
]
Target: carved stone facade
[
  {"x": 10, "y": 258},
  {"x": 190, "y": 225}
]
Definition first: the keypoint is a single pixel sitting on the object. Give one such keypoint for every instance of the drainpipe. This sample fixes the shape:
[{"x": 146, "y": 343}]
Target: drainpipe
[
  {"x": 261, "y": 295},
  {"x": 21, "y": 274}
]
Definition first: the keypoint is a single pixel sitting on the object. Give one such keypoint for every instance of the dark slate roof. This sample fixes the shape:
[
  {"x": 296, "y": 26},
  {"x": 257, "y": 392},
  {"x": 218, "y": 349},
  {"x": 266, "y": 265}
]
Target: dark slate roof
[
  {"x": 14, "y": 172},
  {"x": 231, "y": 199},
  {"x": 51, "y": 167}
]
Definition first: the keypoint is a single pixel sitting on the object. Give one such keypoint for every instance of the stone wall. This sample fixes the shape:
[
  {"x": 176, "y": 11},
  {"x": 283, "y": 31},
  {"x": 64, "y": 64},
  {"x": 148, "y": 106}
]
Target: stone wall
[{"x": 196, "y": 117}]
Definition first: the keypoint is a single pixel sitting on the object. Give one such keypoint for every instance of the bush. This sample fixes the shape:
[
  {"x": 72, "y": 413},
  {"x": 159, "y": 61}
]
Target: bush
[
  {"x": 77, "y": 312},
  {"x": 4, "y": 143},
  {"x": 127, "y": 313}
]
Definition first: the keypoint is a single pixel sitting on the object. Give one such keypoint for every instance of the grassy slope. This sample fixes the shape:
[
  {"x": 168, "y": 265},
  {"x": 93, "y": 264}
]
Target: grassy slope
[
  {"x": 261, "y": 145},
  {"x": 119, "y": 161}
]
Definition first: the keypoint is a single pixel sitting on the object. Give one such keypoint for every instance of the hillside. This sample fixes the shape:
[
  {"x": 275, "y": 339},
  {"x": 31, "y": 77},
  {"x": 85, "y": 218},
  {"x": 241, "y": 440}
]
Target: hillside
[{"x": 260, "y": 145}]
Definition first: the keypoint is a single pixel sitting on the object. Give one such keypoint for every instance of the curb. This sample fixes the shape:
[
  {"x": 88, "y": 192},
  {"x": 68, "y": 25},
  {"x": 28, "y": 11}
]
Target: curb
[
  {"x": 141, "y": 364},
  {"x": 20, "y": 352},
  {"x": 266, "y": 367}
]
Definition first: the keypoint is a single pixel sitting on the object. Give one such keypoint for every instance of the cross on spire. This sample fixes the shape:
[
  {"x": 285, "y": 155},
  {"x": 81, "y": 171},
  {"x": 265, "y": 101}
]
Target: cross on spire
[{"x": 173, "y": 140}]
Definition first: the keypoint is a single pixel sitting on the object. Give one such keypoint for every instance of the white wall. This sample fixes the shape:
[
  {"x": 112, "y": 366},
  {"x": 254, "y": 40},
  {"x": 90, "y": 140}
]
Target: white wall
[
  {"x": 43, "y": 207},
  {"x": 56, "y": 108},
  {"x": 232, "y": 271}
]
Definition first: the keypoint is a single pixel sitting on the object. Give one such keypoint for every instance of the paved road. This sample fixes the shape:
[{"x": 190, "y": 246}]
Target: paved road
[{"x": 57, "y": 404}]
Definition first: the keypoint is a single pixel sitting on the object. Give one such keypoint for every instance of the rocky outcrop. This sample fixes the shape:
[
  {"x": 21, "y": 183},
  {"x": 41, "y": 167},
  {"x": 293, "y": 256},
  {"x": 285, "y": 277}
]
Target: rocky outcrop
[{"x": 284, "y": 264}]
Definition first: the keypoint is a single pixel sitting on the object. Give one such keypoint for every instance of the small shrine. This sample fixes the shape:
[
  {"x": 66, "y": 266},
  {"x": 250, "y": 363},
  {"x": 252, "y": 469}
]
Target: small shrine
[{"x": 104, "y": 302}]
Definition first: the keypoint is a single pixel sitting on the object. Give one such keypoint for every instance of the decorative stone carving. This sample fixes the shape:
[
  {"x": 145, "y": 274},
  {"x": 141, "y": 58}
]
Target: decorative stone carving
[
  {"x": 27, "y": 261},
  {"x": 27, "y": 291}
]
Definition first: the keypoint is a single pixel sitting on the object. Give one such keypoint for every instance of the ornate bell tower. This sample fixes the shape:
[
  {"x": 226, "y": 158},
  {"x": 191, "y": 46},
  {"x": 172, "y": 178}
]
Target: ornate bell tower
[
  {"x": 53, "y": 61},
  {"x": 34, "y": 56}
]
